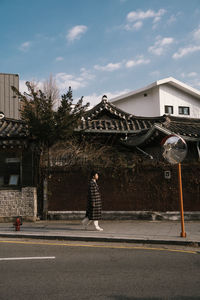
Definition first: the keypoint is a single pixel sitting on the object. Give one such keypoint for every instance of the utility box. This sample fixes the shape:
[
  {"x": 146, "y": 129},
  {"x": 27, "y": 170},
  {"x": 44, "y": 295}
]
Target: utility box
[
  {"x": 167, "y": 174},
  {"x": 9, "y": 101}
]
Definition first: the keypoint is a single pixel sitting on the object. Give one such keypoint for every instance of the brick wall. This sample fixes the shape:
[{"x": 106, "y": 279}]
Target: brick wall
[
  {"x": 142, "y": 189},
  {"x": 19, "y": 203}
]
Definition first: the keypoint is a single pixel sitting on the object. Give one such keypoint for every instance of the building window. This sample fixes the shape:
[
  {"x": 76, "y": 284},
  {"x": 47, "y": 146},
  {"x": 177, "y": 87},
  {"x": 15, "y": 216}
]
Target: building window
[
  {"x": 183, "y": 110},
  {"x": 10, "y": 165},
  {"x": 169, "y": 109}
]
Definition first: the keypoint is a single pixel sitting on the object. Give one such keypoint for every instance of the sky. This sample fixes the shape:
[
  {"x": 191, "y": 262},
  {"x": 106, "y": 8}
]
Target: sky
[{"x": 100, "y": 47}]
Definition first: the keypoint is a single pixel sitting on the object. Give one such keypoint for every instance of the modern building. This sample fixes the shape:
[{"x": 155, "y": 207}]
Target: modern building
[
  {"x": 166, "y": 96},
  {"x": 9, "y": 102}
]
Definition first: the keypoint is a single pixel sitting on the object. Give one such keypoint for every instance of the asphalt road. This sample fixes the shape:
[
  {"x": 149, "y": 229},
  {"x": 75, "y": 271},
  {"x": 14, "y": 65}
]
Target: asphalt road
[{"x": 57, "y": 270}]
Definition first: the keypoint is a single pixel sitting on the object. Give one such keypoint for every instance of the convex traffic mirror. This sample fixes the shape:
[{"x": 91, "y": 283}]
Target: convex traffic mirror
[{"x": 174, "y": 149}]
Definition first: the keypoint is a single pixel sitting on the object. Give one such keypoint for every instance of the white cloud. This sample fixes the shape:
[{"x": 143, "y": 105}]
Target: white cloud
[
  {"x": 37, "y": 84},
  {"x": 137, "y": 17},
  {"x": 22, "y": 86},
  {"x": 59, "y": 58},
  {"x": 191, "y": 47},
  {"x": 189, "y": 75},
  {"x": 86, "y": 74},
  {"x": 94, "y": 98},
  {"x": 25, "y": 46},
  {"x": 161, "y": 45},
  {"x": 141, "y": 15},
  {"x": 196, "y": 34},
  {"x": 135, "y": 26},
  {"x": 185, "y": 51},
  {"x": 76, "y": 32},
  {"x": 139, "y": 61},
  {"x": 109, "y": 67},
  {"x": 64, "y": 80},
  {"x": 171, "y": 20}
]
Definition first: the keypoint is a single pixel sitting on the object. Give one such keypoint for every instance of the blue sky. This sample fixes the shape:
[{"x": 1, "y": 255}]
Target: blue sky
[{"x": 101, "y": 46}]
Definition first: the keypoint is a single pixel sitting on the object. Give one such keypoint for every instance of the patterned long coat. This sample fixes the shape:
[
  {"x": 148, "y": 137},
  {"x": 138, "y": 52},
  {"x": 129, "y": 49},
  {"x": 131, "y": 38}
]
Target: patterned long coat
[{"x": 94, "y": 204}]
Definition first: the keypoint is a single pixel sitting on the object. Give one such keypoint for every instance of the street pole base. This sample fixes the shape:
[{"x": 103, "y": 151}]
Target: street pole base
[{"x": 183, "y": 234}]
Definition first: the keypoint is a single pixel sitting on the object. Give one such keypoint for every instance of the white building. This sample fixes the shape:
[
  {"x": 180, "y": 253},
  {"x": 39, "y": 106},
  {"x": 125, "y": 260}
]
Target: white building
[{"x": 166, "y": 96}]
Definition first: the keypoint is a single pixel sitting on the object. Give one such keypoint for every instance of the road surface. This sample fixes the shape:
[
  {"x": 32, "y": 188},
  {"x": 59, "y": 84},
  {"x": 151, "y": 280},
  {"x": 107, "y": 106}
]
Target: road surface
[{"x": 61, "y": 270}]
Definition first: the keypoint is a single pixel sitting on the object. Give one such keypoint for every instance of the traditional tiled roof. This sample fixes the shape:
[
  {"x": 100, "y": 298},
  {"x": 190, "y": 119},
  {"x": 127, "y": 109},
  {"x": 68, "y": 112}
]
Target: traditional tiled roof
[
  {"x": 106, "y": 107},
  {"x": 10, "y": 128},
  {"x": 116, "y": 126},
  {"x": 107, "y": 118},
  {"x": 13, "y": 132},
  {"x": 187, "y": 128}
]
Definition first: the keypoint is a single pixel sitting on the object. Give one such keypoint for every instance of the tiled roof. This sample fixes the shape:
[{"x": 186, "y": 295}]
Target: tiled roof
[
  {"x": 116, "y": 126},
  {"x": 186, "y": 127},
  {"x": 105, "y": 106},
  {"x": 107, "y": 118},
  {"x": 10, "y": 128},
  {"x": 13, "y": 133}
]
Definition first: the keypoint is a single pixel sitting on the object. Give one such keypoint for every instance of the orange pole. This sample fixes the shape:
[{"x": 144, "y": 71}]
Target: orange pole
[{"x": 183, "y": 233}]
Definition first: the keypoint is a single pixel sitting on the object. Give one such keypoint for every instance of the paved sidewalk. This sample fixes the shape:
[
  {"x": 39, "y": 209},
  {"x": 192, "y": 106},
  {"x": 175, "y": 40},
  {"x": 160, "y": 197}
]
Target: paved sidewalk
[{"x": 151, "y": 232}]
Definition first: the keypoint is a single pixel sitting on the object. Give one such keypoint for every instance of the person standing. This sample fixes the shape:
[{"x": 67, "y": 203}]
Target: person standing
[{"x": 94, "y": 205}]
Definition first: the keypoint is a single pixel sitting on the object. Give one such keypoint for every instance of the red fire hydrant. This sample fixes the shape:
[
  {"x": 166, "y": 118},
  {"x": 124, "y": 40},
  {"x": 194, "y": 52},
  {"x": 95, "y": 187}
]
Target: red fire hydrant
[{"x": 17, "y": 224}]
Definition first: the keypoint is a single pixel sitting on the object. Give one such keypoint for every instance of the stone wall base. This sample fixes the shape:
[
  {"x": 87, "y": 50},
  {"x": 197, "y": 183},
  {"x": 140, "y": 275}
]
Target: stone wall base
[
  {"x": 21, "y": 202},
  {"x": 127, "y": 215}
]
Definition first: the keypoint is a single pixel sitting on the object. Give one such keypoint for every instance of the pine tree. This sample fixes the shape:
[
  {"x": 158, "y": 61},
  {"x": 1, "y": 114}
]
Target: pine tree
[{"x": 45, "y": 125}]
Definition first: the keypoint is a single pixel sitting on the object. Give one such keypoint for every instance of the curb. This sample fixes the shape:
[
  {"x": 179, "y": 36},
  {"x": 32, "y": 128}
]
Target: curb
[
  {"x": 103, "y": 239},
  {"x": 127, "y": 215}
]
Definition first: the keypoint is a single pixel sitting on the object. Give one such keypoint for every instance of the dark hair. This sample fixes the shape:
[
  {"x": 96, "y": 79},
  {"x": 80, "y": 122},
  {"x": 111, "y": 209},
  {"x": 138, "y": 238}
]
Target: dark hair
[{"x": 92, "y": 174}]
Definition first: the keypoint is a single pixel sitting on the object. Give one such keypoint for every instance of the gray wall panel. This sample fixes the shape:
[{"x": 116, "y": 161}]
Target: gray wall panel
[{"x": 9, "y": 103}]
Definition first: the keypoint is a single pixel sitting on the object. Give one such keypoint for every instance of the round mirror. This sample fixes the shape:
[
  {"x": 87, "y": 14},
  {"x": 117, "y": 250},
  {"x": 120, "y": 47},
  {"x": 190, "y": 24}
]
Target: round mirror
[{"x": 174, "y": 149}]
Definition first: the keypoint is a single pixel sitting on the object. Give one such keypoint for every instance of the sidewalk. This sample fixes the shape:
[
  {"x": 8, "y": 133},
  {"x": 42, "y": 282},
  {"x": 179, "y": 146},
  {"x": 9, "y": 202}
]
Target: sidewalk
[{"x": 149, "y": 232}]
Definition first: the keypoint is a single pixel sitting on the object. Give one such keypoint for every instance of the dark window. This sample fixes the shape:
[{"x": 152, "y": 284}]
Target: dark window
[
  {"x": 183, "y": 110},
  {"x": 9, "y": 169},
  {"x": 169, "y": 109}
]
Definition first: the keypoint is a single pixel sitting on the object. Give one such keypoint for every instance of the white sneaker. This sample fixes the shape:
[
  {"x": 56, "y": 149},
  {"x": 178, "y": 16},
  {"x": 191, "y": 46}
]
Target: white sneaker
[
  {"x": 85, "y": 225},
  {"x": 99, "y": 229}
]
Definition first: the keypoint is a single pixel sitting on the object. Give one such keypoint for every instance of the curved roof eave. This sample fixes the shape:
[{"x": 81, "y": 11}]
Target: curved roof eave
[{"x": 139, "y": 140}]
